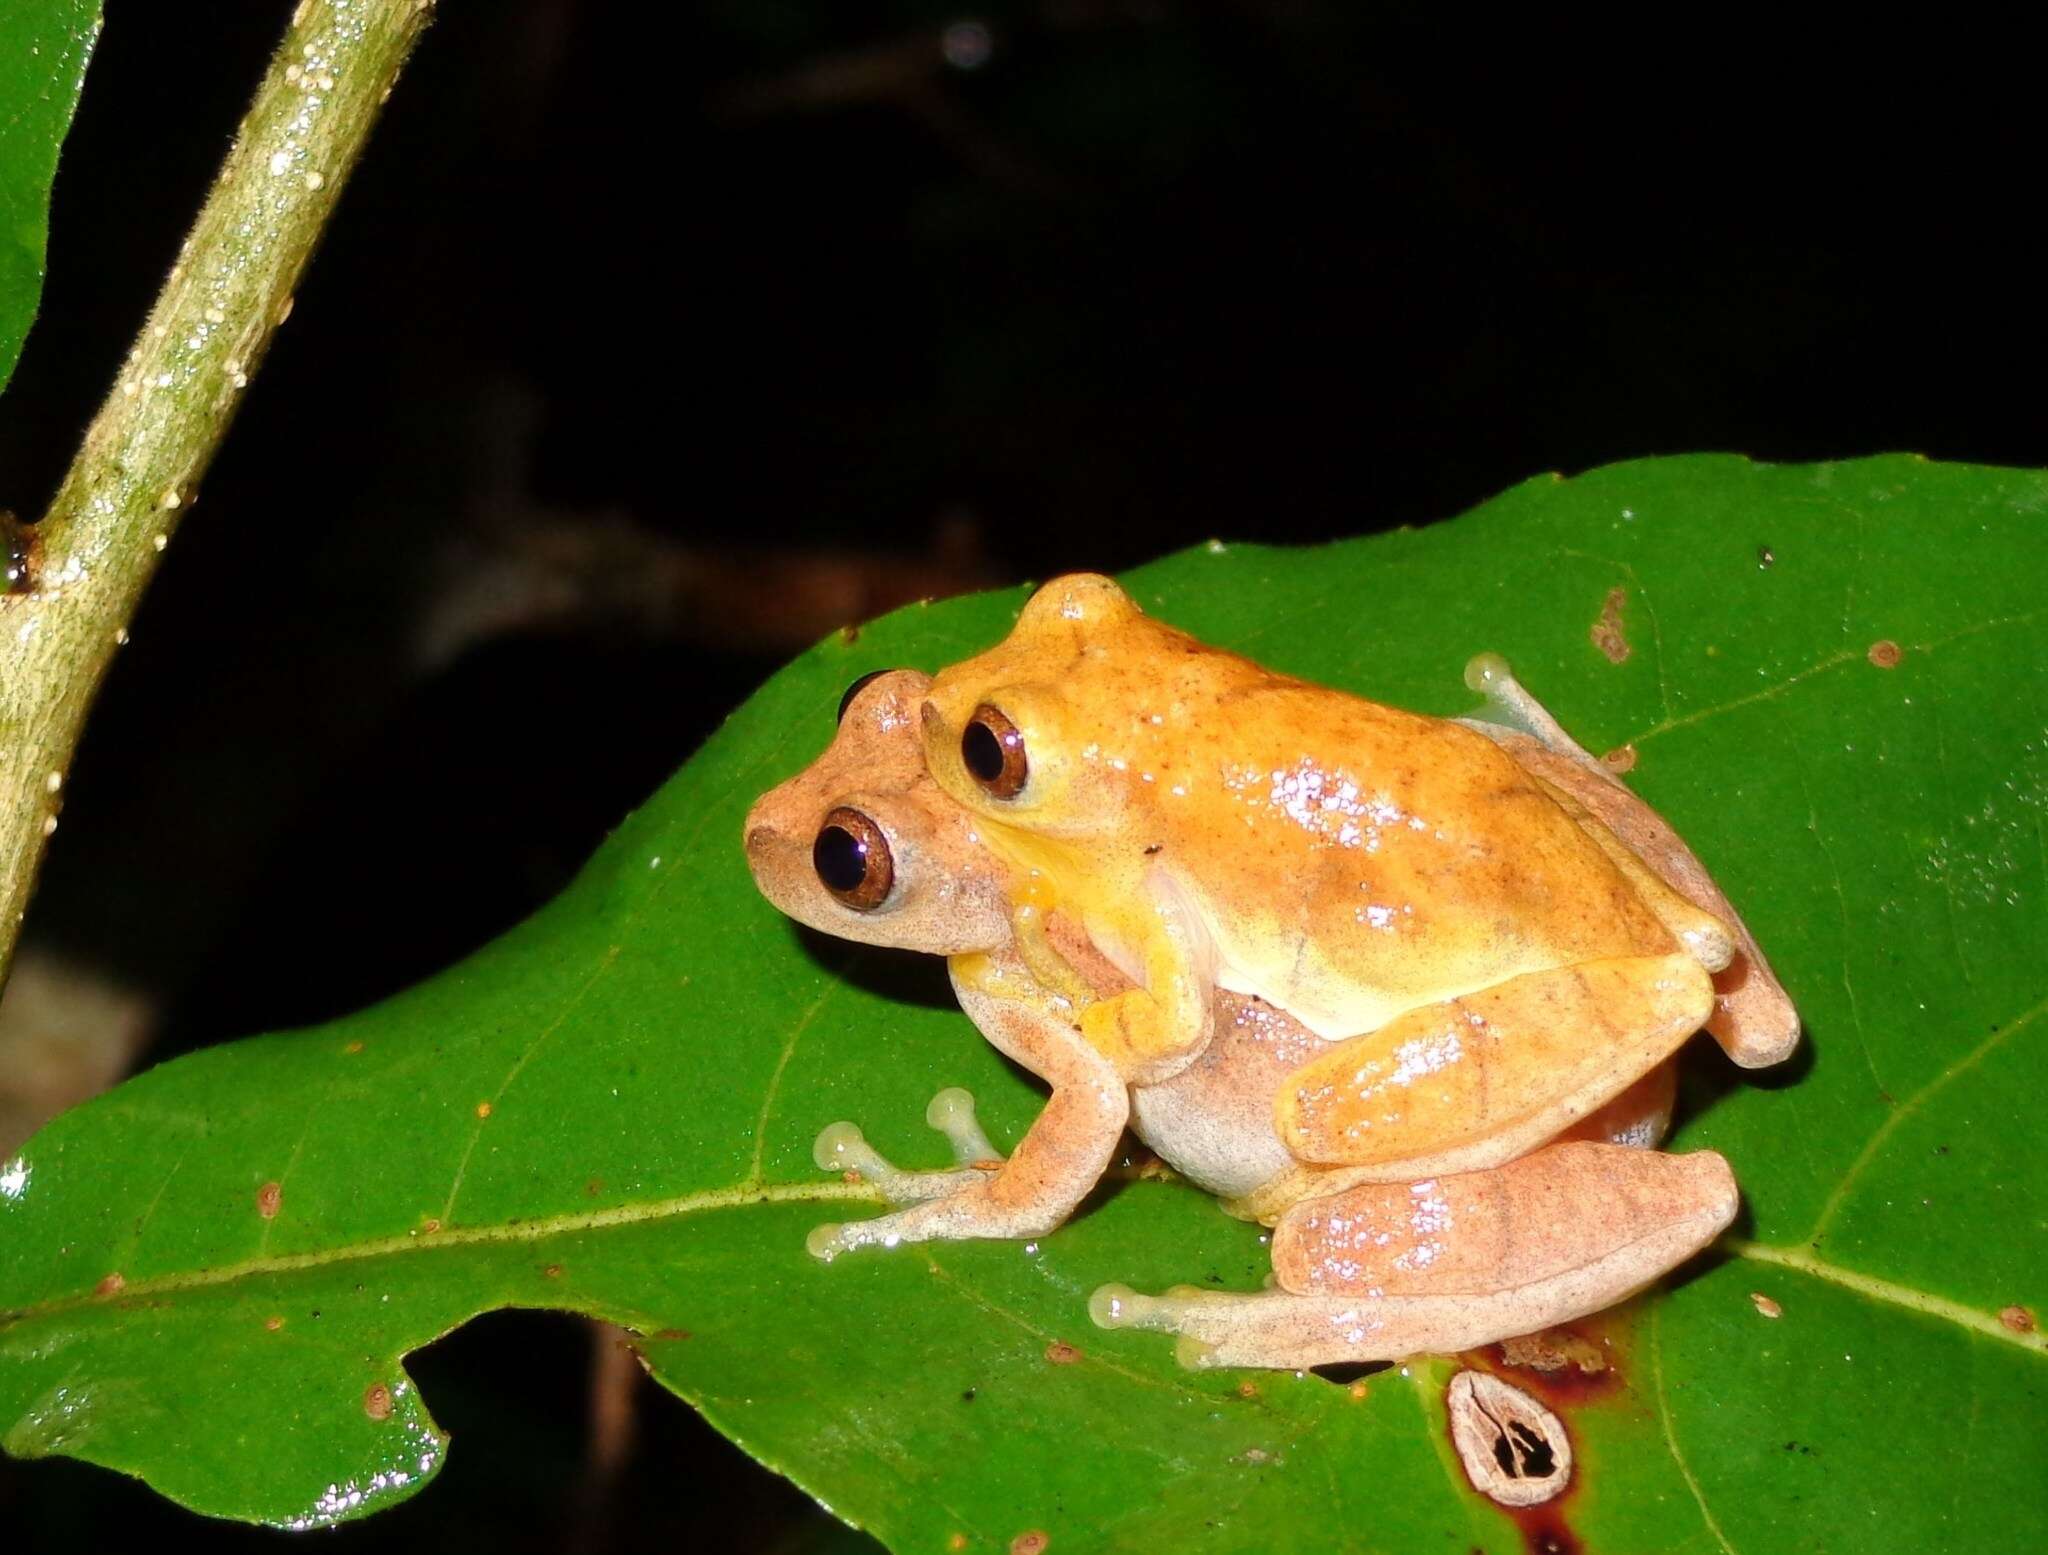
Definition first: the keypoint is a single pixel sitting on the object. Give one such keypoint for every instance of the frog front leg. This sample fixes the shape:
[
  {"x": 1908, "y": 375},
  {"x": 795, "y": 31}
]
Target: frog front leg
[
  {"x": 1060, "y": 1157},
  {"x": 1383, "y": 1271},
  {"x": 1153, "y": 1031}
]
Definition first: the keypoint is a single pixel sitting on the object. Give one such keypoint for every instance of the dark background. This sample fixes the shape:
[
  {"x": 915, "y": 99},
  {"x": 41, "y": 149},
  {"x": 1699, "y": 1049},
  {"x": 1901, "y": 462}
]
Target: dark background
[{"x": 650, "y": 344}]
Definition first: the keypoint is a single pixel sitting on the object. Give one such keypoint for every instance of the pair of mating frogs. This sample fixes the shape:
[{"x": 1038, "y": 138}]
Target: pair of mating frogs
[{"x": 1406, "y": 990}]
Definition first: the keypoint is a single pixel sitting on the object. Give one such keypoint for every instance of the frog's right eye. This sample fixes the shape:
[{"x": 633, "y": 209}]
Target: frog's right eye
[
  {"x": 852, "y": 859},
  {"x": 992, "y": 748},
  {"x": 846, "y": 697}
]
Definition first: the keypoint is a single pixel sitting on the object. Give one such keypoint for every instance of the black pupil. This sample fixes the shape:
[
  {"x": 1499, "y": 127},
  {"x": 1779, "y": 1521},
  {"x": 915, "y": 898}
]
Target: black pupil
[
  {"x": 840, "y": 858},
  {"x": 982, "y": 752},
  {"x": 854, "y": 690}
]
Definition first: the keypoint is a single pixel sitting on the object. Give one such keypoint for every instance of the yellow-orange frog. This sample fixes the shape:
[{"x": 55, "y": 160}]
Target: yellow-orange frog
[{"x": 1405, "y": 989}]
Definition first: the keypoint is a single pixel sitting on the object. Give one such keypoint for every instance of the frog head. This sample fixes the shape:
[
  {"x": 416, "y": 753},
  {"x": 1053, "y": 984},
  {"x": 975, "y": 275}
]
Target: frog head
[{"x": 863, "y": 845}]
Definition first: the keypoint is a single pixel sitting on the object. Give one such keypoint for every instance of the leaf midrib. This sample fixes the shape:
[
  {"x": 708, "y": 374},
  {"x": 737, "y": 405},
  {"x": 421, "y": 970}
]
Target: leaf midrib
[
  {"x": 540, "y": 1228},
  {"x": 741, "y": 1195}
]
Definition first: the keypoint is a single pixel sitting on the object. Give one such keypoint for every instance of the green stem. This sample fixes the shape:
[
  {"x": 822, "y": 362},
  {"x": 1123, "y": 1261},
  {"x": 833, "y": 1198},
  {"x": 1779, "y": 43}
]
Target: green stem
[{"x": 138, "y": 469}]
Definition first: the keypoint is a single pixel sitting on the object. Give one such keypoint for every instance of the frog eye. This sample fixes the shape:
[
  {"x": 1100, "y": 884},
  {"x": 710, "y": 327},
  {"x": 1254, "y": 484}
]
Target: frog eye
[
  {"x": 993, "y": 751},
  {"x": 852, "y": 859},
  {"x": 854, "y": 690}
]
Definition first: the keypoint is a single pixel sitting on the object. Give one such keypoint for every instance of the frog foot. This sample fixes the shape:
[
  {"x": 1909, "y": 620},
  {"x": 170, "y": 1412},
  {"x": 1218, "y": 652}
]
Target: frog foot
[
  {"x": 841, "y": 1147},
  {"x": 1277, "y": 1328}
]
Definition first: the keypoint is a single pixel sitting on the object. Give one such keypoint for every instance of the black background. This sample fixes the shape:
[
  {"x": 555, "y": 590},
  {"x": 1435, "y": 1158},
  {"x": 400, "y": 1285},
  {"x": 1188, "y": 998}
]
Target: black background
[{"x": 652, "y": 342}]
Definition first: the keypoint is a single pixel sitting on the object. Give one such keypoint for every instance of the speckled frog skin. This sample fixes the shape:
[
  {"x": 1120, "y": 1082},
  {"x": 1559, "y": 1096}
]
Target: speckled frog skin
[{"x": 1406, "y": 989}]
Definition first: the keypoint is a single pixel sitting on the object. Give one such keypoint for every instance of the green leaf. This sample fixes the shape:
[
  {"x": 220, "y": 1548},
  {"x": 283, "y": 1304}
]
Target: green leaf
[
  {"x": 657, "y": 1049},
  {"x": 44, "y": 47}
]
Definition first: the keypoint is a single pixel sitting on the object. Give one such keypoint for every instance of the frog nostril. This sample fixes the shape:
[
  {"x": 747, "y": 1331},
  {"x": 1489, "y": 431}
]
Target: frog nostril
[{"x": 759, "y": 839}]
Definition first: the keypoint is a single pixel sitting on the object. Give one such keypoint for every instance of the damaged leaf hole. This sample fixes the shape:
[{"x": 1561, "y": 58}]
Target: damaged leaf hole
[
  {"x": 1515, "y": 1451},
  {"x": 1349, "y": 1375}
]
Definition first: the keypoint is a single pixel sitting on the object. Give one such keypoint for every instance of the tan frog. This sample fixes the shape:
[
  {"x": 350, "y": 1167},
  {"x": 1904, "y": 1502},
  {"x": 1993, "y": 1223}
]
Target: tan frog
[{"x": 1405, "y": 989}]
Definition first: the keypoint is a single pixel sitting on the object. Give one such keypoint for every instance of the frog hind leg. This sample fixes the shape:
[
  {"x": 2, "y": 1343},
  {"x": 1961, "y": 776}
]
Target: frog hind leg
[
  {"x": 1384, "y": 1271},
  {"x": 1476, "y": 1081},
  {"x": 1753, "y": 1019},
  {"x": 1640, "y": 1116}
]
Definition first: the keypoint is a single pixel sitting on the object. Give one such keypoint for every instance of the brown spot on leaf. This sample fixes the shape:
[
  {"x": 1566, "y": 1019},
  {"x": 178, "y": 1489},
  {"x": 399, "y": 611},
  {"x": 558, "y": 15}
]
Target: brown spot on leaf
[
  {"x": 353, "y": 1048},
  {"x": 269, "y": 1198},
  {"x": 1555, "y": 1349},
  {"x": 1514, "y": 1450},
  {"x": 1032, "y": 1543},
  {"x": 430, "y": 1227},
  {"x": 1545, "y": 1533},
  {"x": 111, "y": 1285},
  {"x": 1247, "y": 1389},
  {"x": 670, "y": 1333},
  {"x": 849, "y": 635},
  {"x": 1356, "y": 1392},
  {"x": 483, "y": 1109},
  {"x": 1585, "y": 1365},
  {"x": 957, "y": 1541},
  {"x": 2018, "y": 1319},
  {"x": 553, "y": 1271},
  {"x": 377, "y": 1401},
  {"x": 1619, "y": 760},
  {"x": 1765, "y": 1305},
  {"x": 594, "y": 1187},
  {"x": 1885, "y": 653},
  {"x": 1060, "y": 1353},
  {"x": 1607, "y": 633},
  {"x": 273, "y": 1323}
]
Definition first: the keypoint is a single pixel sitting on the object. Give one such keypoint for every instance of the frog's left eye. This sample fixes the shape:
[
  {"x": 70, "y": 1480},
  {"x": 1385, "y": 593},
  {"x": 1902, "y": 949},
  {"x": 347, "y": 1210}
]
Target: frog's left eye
[
  {"x": 993, "y": 750},
  {"x": 853, "y": 861},
  {"x": 846, "y": 697}
]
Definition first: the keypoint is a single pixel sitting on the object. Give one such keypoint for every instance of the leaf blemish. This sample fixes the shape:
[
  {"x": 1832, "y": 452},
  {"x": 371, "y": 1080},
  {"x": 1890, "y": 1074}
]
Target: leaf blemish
[
  {"x": 377, "y": 1401},
  {"x": 110, "y": 1285},
  {"x": 1032, "y": 1543},
  {"x": 1765, "y": 1305},
  {"x": 269, "y": 1199},
  {"x": 1514, "y": 1450},
  {"x": 1606, "y": 632},
  {"x": 1885, "y": 653},
  {"x": 2017, "y": 1318}
]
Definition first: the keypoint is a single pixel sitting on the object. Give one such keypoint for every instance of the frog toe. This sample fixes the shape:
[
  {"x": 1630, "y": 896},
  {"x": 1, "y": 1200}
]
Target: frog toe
[{"x": 841, "y": 1147}]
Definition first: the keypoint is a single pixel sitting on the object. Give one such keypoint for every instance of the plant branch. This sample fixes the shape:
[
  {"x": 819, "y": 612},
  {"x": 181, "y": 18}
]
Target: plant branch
[{"x": 138, "y": 469}]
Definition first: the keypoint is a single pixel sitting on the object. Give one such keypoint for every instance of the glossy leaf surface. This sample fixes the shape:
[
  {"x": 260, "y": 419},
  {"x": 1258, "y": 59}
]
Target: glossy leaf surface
[
  {"x": 44, "y": 47},
  {"x": 1831, "y": 686}
]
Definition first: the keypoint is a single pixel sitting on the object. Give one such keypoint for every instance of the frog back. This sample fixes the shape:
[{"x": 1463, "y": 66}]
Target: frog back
[{"x": 1357, "y": 860}]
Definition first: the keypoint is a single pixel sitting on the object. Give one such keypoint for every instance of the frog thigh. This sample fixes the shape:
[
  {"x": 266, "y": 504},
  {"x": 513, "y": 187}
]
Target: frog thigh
[
  {"x": 1476, "y": 1081},
  {"x": 1753, "y": 1018},
  {"x": 1639, "y": 1116},
  {"x": 1384, "y": 1271}
]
